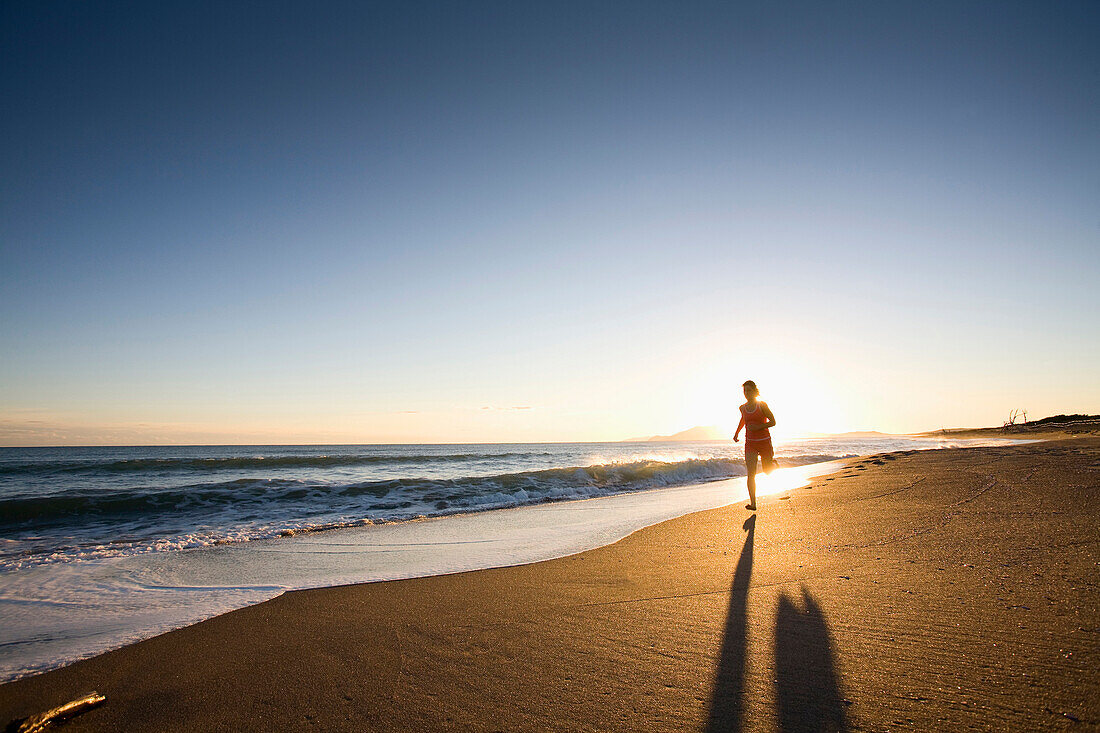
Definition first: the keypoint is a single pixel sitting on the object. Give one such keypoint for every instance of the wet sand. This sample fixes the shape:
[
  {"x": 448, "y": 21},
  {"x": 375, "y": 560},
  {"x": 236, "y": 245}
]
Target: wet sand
[{"x": 953, "y": 589}]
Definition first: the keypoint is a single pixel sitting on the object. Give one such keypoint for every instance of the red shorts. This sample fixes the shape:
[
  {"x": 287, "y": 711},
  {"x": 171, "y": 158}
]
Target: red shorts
[{"x": 762, "y": 448}]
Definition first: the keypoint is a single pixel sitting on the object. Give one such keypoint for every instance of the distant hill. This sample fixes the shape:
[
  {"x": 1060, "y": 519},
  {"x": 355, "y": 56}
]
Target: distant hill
[
  {"x": 1060, "y": 419},
  {"x": 854, "y": 434},
  {"x": 699, "y": 432}
]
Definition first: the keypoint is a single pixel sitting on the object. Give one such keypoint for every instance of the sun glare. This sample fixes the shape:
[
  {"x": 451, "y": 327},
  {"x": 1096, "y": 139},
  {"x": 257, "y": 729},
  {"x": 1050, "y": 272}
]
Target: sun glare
[
  {"x": 802, "y": 401},
  {"x": 782, "y": 481}
]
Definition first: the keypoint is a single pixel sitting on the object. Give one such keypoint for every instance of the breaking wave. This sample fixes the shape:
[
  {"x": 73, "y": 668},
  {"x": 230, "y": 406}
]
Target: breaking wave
[{"x": 76, "y": 524}]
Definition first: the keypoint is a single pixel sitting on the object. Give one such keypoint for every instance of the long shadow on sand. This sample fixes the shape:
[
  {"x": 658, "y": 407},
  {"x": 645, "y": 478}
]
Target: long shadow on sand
[
  {"x": 725, "y": 701},
  {"x": 808, "y": 694},
  {"x": 805, "y": 669}
]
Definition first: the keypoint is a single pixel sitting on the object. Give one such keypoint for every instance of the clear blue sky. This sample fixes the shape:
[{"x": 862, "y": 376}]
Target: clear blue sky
[{"x": 283, "y": 222}]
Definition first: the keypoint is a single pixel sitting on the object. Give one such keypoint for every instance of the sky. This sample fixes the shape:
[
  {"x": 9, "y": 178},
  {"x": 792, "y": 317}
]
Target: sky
[{"x": 468, "y": 222}]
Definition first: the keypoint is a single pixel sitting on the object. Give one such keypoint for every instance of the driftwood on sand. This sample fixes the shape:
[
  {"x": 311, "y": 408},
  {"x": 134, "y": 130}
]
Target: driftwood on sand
[{"x": 43, "y": 720}]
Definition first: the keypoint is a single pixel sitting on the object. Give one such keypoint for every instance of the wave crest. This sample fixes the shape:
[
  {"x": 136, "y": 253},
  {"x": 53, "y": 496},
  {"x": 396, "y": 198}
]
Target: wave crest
[
  {"x": 573, "y": 481},
  {"x": 142, "y": 519}
]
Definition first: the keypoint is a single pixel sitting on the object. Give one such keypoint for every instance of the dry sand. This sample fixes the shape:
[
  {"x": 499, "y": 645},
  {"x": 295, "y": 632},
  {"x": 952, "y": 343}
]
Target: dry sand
[{"x": 942, "y": 590}]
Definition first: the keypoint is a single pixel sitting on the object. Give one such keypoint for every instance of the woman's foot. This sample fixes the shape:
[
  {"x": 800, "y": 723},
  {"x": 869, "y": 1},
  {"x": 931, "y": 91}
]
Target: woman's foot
[{"x": 751, "y": 507}]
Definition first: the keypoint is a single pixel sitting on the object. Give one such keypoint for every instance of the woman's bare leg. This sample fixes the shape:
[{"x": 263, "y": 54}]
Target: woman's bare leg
[{"x": 750, "y": 464}]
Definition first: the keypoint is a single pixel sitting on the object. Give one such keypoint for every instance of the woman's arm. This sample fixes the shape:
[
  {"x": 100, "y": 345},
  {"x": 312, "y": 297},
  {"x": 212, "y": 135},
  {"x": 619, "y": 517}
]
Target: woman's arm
[
  {"x": 739, "y": 426},
  {"x": 768, "y": 414}
]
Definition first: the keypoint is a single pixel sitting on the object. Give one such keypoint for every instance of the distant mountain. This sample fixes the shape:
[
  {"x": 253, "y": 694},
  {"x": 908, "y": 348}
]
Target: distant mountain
[{"x": 699, "y": 432}]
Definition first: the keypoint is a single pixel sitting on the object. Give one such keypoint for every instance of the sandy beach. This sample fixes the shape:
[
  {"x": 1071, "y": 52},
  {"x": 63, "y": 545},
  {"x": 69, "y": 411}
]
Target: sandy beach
[
  {"x": 408, "y": 366},
  {"x": 951, "y": 589}
]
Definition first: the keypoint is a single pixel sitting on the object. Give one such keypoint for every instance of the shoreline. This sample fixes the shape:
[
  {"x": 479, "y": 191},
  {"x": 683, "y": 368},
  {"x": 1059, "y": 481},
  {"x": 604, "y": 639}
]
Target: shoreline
[
  {"x": 566, "y": 528},
  {"x": 316, "y": 626},
  {"x": 56, "y": 614}
]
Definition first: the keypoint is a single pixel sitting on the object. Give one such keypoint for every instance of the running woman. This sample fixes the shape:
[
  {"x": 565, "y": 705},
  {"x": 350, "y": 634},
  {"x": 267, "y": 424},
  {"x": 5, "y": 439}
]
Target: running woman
[{"x": 756, "y": 418}]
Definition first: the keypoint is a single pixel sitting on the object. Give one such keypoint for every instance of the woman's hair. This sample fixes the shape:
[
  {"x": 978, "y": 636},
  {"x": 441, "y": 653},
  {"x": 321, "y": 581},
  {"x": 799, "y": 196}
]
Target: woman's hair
[{"x": 750, "y": 383}]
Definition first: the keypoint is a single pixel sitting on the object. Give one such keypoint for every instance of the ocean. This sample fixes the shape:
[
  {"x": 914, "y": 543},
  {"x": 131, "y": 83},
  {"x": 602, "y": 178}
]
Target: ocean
[{"x": 100, "y": 547}]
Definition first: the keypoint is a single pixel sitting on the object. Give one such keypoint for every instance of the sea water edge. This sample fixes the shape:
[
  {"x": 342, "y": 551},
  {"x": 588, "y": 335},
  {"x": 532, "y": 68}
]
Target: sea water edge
[{"x": 55, "y": 613}]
